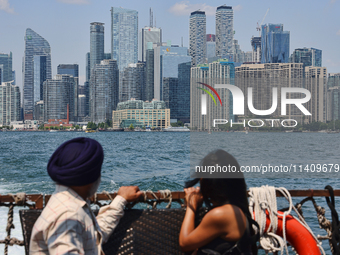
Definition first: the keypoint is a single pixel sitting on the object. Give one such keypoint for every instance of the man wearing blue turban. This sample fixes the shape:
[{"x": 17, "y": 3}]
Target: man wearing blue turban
[{"x": 67, "y": 225}]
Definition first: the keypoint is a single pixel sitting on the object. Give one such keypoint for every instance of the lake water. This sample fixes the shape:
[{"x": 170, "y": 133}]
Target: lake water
[{"x": 161, "y": 160}]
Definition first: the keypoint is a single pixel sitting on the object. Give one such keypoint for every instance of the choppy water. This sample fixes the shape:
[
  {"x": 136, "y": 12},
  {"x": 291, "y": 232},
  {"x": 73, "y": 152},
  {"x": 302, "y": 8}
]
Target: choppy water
[{"x": 160, "y": 160}]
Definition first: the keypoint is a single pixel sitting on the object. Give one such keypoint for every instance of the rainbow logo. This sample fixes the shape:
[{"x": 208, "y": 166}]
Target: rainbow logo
[{"x": 209, "y": 93}]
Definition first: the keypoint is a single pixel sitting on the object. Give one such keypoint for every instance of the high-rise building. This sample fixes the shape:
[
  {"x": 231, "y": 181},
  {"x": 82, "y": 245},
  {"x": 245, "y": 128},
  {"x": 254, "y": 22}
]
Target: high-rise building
[
  {"x": 124, "y": 36},
  {"x": 35, "y": 45},
  {"x": 224, "y": 31},
  {"x": 148, "y": 90},
  {"x": 333, "y": 103},
  {"x": 262, "y": 78},
  {"x": 240, "y": 56},
  {"x": 274, "y": 44},
  {"x": 211, "y": 46},
  {"x": 170, "y": 86},
  {"x": 166, "y": 61},
  {"x": 73, "y": 70},
  {"x": 148, "y": 35},
  {"x": 6, "y": 67},
  {"x": 133, "y": 82},
  {"x": 333, "y": 80},
  {"x": 58, "y": 97},
  {"x": 9, "y": 103},
  {"x": 40, "y": 75},
  {"x": 218, "y": 72},
  {"x": 256, "y": 49},
  {"x": 307, "y": 56},
  {"x": 316, "y": 83},
  {"x": 197, "y": 38},
  {"x": 96, "y": 43},
  {"x": 183, "y": 92},
  {"x": 103, "y": 90}
]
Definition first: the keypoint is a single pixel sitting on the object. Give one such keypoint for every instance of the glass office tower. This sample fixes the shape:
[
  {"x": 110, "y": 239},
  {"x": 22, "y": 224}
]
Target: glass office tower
[
  {"x": 35, "y": 45},
  {"x": 124, "y": 36},
  {"x": 274, "y": 44}
]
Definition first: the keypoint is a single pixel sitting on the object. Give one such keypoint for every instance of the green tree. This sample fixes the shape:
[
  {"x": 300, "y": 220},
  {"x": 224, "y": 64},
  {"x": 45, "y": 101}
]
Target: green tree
[
  {"x": 131, "y": 127},
  {"x": 91, "y": 125}
]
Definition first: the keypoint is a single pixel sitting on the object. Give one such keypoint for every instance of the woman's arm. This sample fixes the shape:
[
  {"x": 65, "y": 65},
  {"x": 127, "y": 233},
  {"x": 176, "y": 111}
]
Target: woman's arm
[{"x": 212, "y": 225}]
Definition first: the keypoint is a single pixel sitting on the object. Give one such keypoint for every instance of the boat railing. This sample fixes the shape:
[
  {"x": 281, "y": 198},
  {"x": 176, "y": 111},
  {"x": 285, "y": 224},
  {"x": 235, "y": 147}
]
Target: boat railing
[{"x": 165, "y": 218}]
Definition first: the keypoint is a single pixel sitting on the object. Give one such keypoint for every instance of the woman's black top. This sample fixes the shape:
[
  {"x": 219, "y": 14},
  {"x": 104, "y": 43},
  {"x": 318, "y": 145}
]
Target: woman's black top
[{"x": 219, "y": 246}]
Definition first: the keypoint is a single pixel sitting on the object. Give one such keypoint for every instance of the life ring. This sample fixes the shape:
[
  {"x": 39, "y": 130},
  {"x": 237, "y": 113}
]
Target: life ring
[{"x": 296, "y": 234}]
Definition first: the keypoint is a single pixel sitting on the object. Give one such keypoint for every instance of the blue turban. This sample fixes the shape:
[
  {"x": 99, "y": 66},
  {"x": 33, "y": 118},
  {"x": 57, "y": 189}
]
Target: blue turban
[{"x": 76, "y": 162}]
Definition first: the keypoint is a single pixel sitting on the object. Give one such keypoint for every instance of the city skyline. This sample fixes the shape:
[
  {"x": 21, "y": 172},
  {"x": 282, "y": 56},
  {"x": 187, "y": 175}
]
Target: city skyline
[{"x": 70, "y": 41}]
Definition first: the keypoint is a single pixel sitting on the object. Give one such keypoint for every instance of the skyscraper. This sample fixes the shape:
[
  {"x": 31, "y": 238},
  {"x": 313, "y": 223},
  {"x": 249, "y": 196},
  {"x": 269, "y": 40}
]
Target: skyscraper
[
  {"x": 274, "y": 44},
  {"x": 103, "y": 90},
  {"x": 307, "y": 56},
  {"x": 148, "y": 90},
  {"x": 96, "y": 43},
  {"x": 39, "y": 73},
  {"x": 166, "y": 64},
  {"x": 211, "y": 46},
  {"x": 6, "y": 67},
  {"x": 316, "y": 83},
  {"x": 146, "y": 35},
  {"x": 224, "y": 31},
  {"x": 183, "y": 90},
  {"x": 124, "y": 36},
  {"x": 256, "y": 47},
  {"x": 197, "y": 37},
  {"x": 58, "y": 93},
  {"x": 9, "y": 103},
  {"x": 72, "y": 69},
  {"x": 218, "y": 72},
  {"x": 262, "y": 78},
  {"x": 35, "y": 45},
  {"x": 133, "y": 82}
]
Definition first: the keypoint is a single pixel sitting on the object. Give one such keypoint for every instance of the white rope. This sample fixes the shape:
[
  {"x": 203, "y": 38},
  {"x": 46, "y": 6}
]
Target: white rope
[{"x": 264, "y": 198}]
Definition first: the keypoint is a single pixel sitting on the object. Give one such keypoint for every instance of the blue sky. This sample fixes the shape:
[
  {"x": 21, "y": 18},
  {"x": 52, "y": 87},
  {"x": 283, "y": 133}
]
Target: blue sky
[{"x": 65, "y": 24}]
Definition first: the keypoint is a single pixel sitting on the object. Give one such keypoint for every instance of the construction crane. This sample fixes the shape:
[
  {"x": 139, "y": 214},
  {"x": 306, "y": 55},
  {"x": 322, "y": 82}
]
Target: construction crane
[{"x": 258, "y": 28}]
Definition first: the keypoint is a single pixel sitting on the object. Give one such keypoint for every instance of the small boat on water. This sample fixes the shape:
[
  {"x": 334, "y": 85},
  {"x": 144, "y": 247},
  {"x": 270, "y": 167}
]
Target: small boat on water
[
  {"x": 90, "y": 131},
  {"x": 176, "y": 129},
  {"x": 53, "y": 130}
]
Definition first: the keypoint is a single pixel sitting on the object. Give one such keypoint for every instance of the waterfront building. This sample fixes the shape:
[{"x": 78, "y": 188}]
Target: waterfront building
[
  {"x": 224, "y": 31},
  {"x": 133, "y": 82},
  {"x": 316, "y": 83},
  {"x": 148, "y": 90},
  {"x": 59, "y": 97},
  {"x": 82, "y": 105},
  {"x": 6, "y": 72},
  {"x": 124, "y": 36},
  {"x": 262, "y": 78},
  {"x": 256, "y": 49},
  {"x": 274, "y": 44},
  {"x": 218, "y": 72},
  {"x": 103, "y": 90},
  {"x": 166, "y": 61},
  {"x": 197, "y": 38},
  {"x": 307, "y": 56},
  {"x": 9, "y": 103},
  {"x": 35, "y": 45},
  {"x": 141, "y": 114},
  {"x": 148, "y": 35}
]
